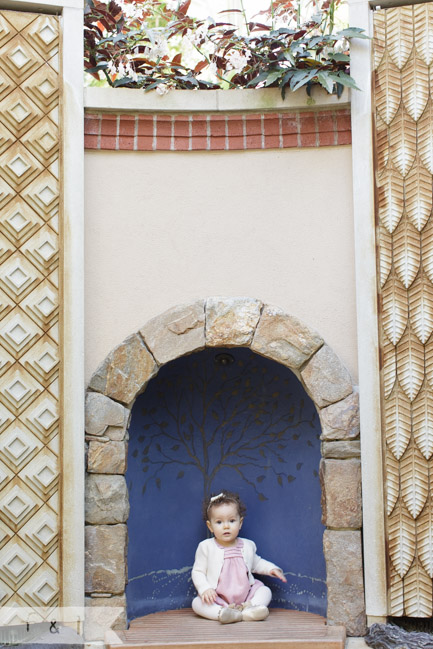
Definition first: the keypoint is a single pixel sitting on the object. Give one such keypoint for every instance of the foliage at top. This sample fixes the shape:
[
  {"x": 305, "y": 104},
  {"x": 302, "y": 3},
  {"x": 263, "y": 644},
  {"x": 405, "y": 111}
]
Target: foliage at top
[{"x": 154, "y": 44}]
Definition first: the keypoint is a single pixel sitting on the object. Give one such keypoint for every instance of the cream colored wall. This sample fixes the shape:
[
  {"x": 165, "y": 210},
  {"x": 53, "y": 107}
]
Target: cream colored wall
[{"x": 164, "y": 228}]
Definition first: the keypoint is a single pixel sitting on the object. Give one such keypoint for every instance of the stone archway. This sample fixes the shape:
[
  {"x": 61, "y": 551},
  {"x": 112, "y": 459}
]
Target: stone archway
[{"x": 185, "y": 329}]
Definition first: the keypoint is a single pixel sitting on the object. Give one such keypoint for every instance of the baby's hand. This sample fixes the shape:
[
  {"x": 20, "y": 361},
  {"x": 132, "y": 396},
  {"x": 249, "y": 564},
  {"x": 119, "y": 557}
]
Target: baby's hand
[
  {"x": 209, "y": 596},
  {"x": 278, "y": 574}
]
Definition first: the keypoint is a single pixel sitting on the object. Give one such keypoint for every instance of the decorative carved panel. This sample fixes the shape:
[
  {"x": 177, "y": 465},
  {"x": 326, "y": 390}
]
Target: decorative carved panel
[
  {"x": 403, "y": 63},
  {"x": 29, "y": 309}
]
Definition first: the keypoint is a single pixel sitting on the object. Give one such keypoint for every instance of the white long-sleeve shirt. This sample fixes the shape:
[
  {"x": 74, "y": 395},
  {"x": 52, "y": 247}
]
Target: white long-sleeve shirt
[{"x": 209, "y": 559}]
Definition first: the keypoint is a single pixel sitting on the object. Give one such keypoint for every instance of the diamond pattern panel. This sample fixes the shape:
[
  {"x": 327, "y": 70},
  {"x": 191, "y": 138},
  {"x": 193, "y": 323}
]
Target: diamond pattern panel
[
  {"x": 18, "y": 59},
  {"x": 29, "y": 309},
  {"x": 17, "y": 504},
  {"x": 17, "y": 446},
  {"x": 40, "y": 533},
  {"x": 18, "y": 112},
  {"x": 403, "y": 55}
]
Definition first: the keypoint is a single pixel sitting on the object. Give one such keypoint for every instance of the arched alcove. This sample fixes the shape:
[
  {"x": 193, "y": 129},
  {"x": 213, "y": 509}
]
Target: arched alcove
[
  {"x": 188, "y": 329},
  {"x": 223, "y": 419}
]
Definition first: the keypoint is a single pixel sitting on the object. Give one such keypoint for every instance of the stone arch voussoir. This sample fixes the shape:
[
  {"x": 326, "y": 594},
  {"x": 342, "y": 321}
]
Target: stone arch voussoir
[{"x": 272, "y": 333}]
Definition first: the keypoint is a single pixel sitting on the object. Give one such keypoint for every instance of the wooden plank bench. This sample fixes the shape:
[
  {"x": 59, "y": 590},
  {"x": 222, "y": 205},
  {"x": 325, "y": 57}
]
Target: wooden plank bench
[{"x": 283, "y": 629}]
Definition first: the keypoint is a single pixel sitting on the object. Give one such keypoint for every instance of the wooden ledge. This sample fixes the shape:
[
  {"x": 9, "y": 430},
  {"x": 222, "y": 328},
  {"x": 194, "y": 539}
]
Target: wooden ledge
[{"x": 180, "y": 629}]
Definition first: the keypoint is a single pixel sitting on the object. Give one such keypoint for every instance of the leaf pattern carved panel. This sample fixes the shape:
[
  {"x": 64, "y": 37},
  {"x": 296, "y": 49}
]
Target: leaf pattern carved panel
[
  {"x": 403, "y": 74},
  {"x": 29, "y": 312}
]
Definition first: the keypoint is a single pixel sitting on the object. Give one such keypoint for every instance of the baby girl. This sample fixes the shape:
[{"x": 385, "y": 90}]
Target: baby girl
[{"x": 223, "y": 567}]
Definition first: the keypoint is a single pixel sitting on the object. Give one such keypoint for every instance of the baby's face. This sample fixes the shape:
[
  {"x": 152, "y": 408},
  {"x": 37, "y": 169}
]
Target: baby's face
[{"x": 224, "y": 522}]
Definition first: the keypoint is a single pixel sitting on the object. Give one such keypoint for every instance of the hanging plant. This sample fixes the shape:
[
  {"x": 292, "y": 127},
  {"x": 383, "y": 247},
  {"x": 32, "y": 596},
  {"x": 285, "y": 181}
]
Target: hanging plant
[{"x": 157, "y": 45}]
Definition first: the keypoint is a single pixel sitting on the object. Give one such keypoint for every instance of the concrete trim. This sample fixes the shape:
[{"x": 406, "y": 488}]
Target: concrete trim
[
  {"x": 41, "y": 7},
  {"x": 269, "y": 99},
  {"x": 367, "y": 318},
  {"x": 72, "y": 564}
]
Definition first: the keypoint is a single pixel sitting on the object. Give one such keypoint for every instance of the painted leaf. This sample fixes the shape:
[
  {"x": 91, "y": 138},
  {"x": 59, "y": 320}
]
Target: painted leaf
[
  {"x": 379, "y": 40},
  {"x": 425, "y": 136},
  {"x": 399, "y": 34},
  {"x": 402, "y": 140},
  {"x": 401, "y": 539},
  {"x": 382, "y": 144},
  {"x": 395, "y": 593},
  {"x": 422, "y": 421},
  {"x": 397, "y": 422},
  {"x": 427, "y": 250},
  {"x": 415, "y": 86},
  {"x": 428, "y": 362},
  {"x": 390, "y": 199},
  {"x": 421, "y": 308},
  {"x": 414, "y": 480},
  {"x": 424, "y": 536},
  {"x": 406, "y": 252},
  {"x": 418, "y": 592},
  {"x": 394, "y": 309},
  {"x": 392, "y": 489},
  {"x": 410, "y": 364},
  {"x": 389, "y": 368},
  {"x": 385, "y": 254},
  {"x": 418, "y": 196},
  {"x": 423, "y": 30},
  {"x": 387, "y": 92}
]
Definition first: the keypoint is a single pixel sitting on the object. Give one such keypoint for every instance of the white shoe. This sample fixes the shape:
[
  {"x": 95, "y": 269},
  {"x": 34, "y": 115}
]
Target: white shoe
[
  {"x": 230, "y": 615},
  {"x": 255, "y": 613}
]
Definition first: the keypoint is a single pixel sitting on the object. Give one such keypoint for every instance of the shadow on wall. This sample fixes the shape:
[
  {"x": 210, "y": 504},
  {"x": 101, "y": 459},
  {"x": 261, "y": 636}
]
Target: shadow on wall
[{"x": 202, "y": 426}]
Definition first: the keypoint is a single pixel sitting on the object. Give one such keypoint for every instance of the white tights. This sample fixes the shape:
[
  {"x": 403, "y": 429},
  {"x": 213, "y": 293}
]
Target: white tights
[{"x": 261, "y": 597}]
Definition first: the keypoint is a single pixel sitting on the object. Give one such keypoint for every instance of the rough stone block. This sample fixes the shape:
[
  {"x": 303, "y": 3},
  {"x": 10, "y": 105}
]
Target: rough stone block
[
  {"x": 125, "y": 372},
  {"x": 102, "y": 412},
  {"x": 325, "y": 378},
  {"x": 284, "y": 338},
  {"x": 231, "y": 322},
  {"x": 106, "y": 457},
  {"x": 106, "y": 499},
  {"x": 176, "y": 332},
  {"x": 341, "y": 419},
  {"x": 103, "y": 613},
  {"x": 341, "y": 449},
  {"x": 341, "y": 493},
  {"x": 105, "y": 558},
  {"x": 343, "y": 555}
]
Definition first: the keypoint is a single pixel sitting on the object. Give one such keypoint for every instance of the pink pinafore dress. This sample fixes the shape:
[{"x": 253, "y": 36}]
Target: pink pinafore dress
[{"x": 233, "y": 583}]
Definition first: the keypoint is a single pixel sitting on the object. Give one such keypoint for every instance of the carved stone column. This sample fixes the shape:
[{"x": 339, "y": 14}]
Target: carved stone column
[
  {"x": 403, "y": 55},
  {"x": 41, "y": 554}
]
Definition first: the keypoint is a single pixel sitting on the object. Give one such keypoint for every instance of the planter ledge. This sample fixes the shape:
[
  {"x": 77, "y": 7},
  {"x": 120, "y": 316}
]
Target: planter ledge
[{"x": 266, "y": 99}]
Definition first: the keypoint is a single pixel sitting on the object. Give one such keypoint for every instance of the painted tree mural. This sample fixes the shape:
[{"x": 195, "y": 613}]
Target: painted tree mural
[
  {"x": 233, "y": 426},
  {"x": 223, "y": 419}
]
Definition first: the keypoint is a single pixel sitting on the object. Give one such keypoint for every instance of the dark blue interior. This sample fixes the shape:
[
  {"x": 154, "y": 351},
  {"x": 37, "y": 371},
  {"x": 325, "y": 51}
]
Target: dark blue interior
[{"x": 202, "y": 427}]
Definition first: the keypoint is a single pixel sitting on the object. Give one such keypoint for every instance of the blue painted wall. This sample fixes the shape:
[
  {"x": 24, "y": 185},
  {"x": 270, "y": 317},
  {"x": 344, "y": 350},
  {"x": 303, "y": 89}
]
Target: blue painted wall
[{"x": 201, "y": 427}]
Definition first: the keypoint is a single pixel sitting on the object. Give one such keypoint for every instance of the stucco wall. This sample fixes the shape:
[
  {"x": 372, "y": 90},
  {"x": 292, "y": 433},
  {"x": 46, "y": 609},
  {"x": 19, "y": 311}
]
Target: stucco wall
[{"x": 163, "y": 228}]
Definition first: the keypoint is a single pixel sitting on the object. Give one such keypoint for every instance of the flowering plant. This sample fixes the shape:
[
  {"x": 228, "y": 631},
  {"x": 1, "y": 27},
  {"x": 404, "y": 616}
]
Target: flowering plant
[{"x": 155, "y": 44}]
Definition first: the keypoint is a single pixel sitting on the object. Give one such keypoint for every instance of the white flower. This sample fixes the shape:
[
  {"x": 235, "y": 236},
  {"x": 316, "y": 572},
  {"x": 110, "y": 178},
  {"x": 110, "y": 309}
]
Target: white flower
[
  {"x": 171, "y": 5},
  {"x": 162, "y": 89},
  {"x": 213, "y": 68},
  {"x": 112, "y": 67},
  {"x": 237, "y": 60}
]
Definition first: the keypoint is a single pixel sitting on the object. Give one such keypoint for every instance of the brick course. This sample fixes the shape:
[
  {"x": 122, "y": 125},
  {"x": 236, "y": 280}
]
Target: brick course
[{"x": 216, "y": 132}]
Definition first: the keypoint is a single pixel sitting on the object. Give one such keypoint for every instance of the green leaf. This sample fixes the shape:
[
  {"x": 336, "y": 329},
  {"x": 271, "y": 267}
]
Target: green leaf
[
  {"x": 301, "y": 78},
  {"x": 352, "y": 32},
  {"x": 339, "y": 56},
  {"x": 325, "y": 81},
  {"x": 273, "y": 76},
  {"x": 344, "y": 79}
]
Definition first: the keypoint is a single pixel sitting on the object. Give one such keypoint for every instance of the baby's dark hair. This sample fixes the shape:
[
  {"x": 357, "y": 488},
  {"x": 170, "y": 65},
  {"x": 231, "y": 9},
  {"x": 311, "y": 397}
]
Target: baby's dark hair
[{"x": 221, "y": 499}]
